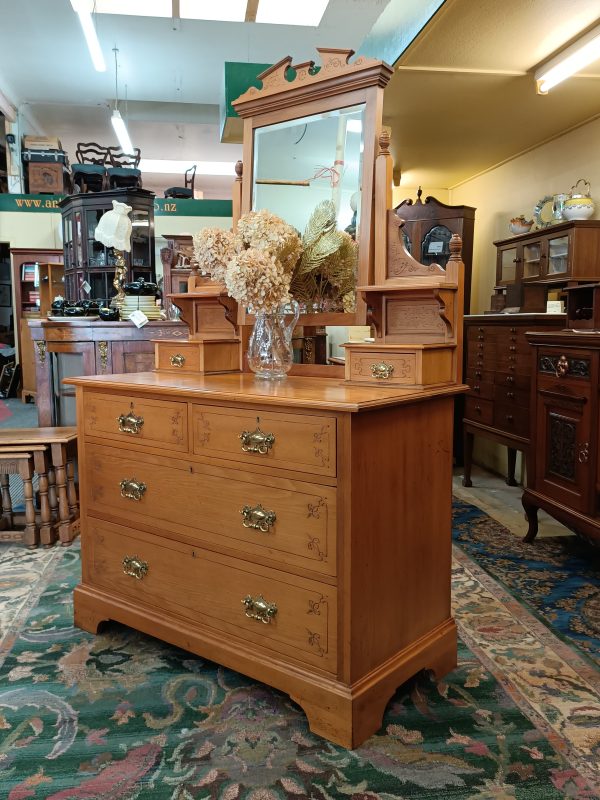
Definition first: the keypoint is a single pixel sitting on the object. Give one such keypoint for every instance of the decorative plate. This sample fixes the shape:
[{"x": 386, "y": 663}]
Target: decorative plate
[{"x": 543, "y": 211}]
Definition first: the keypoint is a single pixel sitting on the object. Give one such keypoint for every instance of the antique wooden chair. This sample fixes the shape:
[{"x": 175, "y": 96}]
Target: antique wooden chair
[
  {"x": 89, "y": 174},
  {"x": 123, "y": 171},
  {"x": 184, "y": 192}
]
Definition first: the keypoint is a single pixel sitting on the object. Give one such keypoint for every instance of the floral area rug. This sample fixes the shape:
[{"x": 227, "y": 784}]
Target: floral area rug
[
  {"x": 121, "y": 715},
  {"x": 558, "y": 577}
]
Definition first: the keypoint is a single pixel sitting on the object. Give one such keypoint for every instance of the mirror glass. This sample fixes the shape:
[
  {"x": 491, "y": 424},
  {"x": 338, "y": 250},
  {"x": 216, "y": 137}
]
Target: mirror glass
[{"x": 301, "y": 162}]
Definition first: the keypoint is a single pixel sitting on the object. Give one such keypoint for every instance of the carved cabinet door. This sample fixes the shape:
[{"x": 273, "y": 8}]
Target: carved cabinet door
[{"x": 564, "y": 466}]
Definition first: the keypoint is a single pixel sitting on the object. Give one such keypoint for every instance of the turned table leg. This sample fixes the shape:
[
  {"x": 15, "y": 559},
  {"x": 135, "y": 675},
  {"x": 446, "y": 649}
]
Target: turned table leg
[
  {"x": 7, "y": 512},
  {"x": 41, "y": 467},
  {"x": 52, "y": 493},
  {"x": 60, "y": 467},
  {"x": 531, "y": 511},
  {"x": 71, "y": 493},
  {"x": 31, "y": 534}
]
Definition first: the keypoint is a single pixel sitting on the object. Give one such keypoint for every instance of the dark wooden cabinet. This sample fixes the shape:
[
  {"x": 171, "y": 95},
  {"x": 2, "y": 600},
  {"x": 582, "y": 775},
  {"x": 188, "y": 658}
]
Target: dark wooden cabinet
[
  {"x": 428, "y": 228},
  {"x": 177, "y": 259},
  {"x": 498, "y": 372},
  {"x": 563, "y": 469},
  {"x": 87, "y": 260}
]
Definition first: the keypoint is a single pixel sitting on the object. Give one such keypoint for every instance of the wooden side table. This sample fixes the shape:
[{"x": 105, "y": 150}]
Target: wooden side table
[
  {"x": 62, "y": 446},
  {"x": 24, "y": 461}
]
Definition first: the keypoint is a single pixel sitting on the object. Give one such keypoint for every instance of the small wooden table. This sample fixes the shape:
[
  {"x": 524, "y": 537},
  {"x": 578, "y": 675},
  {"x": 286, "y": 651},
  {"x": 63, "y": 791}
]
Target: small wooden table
[{"x": 62, "y": 445}]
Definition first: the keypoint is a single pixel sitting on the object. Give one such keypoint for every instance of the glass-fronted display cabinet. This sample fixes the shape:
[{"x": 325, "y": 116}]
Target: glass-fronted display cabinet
[{"x": 89, "y": 265}]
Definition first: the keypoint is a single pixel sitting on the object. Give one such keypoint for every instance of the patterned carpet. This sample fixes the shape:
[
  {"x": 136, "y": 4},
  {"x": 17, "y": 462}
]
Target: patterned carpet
[{"x": 122, "y": 716}]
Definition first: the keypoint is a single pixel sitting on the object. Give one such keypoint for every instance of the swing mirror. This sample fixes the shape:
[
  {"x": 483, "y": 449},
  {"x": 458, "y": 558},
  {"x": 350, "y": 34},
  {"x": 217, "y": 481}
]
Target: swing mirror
[{"x": 301, "y": 162}]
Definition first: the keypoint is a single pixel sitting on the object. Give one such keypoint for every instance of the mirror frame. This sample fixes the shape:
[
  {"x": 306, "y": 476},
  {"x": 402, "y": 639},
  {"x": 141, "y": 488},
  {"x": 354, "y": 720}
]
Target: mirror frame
[{"x": 336, "y": 84}]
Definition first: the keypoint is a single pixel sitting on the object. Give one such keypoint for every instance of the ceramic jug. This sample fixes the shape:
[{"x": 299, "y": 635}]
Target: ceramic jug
[{"x": 579, "y": 204}]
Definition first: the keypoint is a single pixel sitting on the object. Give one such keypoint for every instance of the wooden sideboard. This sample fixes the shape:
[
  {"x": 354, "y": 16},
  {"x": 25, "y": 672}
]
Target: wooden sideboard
[
  {"x": 564, "y": 470},
  {"x": 283, "y": 530},
  {"x": 88, "y": 347},
  {"x": 498, "y": 372}
]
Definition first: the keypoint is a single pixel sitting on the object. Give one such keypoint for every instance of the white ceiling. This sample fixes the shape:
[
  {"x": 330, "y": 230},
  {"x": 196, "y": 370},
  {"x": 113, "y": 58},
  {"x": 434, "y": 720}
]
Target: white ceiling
[{"x": 173, "y": 71}]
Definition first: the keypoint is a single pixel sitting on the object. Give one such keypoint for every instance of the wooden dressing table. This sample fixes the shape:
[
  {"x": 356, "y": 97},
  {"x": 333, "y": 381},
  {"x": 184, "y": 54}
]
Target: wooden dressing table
[{"x": 298, "y": 531}]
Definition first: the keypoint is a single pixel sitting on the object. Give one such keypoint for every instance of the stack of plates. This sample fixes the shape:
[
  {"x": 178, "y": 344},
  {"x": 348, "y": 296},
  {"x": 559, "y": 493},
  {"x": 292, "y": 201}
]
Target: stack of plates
[{"x": 143, "y": 303}]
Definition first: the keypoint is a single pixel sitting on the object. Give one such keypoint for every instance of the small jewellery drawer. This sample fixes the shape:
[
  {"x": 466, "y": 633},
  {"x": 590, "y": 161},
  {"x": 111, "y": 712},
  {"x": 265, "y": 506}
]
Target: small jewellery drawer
[
  {"x": 155, "y": 423},
  {"x": 289, "y": 522},
  {"x": 211, "y": 355},
  {"x": 301, "y": 442},
  {"x": 284, "y": 613},
  {"x": 416, "y": 366},
  {"x": 478, "y": 410}
]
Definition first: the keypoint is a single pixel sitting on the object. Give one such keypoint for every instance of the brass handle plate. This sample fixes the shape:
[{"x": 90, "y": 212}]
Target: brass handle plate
[
  {"x": 258, "y": 518},
  {"x": 129, "y": 423},
  {"x": 584, "y": 453},
  {"x": 382, "y": 371},
  {"x": 257, "y": 441},
  {"x": 135, "y": 567},
  {"x": 259, "y": 609},
  {"x": 562, "y": 366},
  {"x": 177, "y": 360},
  {"x": 132, "y": 489}
]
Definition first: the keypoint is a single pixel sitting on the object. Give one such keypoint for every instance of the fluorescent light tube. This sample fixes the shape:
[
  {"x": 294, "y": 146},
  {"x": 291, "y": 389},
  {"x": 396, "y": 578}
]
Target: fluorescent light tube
[
  {"x": 135, "y": 8},
  {"x": 220, "y": 10},
  {"x": 82, "y": 8},
  {"x": 122, "y": 133},
  {"x": 168, "y": 167},
  {"x": 302, "y": 12},
  {"x": 354, "y": 126},
  {"x": 581, "y": 53}
]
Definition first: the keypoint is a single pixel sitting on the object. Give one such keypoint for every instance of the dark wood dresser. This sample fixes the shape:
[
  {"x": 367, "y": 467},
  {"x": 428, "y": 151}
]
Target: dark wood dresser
[
  {"x": 563, "y": 470},
  {"x": 498, "y": 372}
]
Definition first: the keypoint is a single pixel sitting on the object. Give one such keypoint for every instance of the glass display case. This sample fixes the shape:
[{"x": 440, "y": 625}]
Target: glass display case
[{"x": 89, "y": 265}]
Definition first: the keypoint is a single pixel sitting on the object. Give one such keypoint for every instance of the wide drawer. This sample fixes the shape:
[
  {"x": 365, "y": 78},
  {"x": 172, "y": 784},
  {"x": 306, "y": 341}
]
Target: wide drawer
[
  {"x": 154, "y": 423},
  {"x": 301, "y": 442},
  {"x": 222, "y": 593},
  {"x": 478, "y": 410},
  {"x": 290, "y": 522}
]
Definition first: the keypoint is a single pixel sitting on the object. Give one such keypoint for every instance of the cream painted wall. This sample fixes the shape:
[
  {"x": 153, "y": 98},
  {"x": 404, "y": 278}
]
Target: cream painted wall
[
  {"x": 30, "y": 230},
  {"x": 515, "y": 187},
  {"x": 512, "y": 189}
]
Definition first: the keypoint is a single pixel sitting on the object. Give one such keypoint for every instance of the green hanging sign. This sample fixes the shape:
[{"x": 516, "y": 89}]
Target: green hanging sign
[{"x": 163, "y": 207}]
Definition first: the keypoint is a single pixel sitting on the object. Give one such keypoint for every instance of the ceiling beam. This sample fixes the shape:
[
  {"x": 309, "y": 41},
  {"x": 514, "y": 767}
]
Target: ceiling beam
[
  {"x": 251, "y": 11},
  {"x": 7, "y": 108}
]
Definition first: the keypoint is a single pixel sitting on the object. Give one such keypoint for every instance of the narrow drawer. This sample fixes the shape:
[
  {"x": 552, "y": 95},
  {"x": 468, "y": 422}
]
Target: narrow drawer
[
  {"x": 481, "y": 333},
  {"x": 479, "y": 410},
  {"x": 300, "y": 442},
  {"x": 290, "y": 522},
  {"x": 512, "y": 397},
  {"x": 512, "y": 419},
  {"x": 154, "y": 423},
  {"x": 481, "y": 389},
  {"x": 177, "y": 356},
  {"x": 512, "y": 380},
  {"x": 475, "y": 375},
  {"x": 215, "y": 591},
  {"x": 206, "y": 356}
]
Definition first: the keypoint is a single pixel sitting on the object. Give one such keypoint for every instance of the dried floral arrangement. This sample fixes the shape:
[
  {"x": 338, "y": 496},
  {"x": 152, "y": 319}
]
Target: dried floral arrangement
[
  {"x": 213, "y": 249},
  {"x": 325, "y": 274},
  {"x": 266, "y": 262}
]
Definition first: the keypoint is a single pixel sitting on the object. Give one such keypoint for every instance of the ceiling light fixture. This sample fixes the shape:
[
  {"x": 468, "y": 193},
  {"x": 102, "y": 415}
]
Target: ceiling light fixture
[
  {"x": 83, "y": 9},
  {"x": 117, "y": 120},
  {"x": 221, "y": 11},
  {"x": 168, "y": 167},
  {"x": 305, "y": 12},
  {"x": 584, "y": 51}
]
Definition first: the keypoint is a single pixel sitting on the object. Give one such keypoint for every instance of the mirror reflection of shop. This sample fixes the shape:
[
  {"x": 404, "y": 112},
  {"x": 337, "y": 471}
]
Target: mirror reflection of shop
[{"x": 435, "y": 247}]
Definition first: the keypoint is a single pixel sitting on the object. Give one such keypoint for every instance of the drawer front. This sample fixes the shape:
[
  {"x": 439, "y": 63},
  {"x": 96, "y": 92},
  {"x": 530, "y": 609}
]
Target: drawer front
[
  {"x": 512, "y": 380},
  {"x": 512, "y": 397},
  {"x": 479, "y": 375},
  {"x": 395, "y": 369},
  {"x": 290, "y": 522},
  {"x": 479, "y": 410},
  {"x": 480, "y": 355},
  {"x": 481, "y": 333},
  {"x": 481, "y": 389},
  {"x": 154, "y": 423},
  {"x": 512, "y": 419},
  {"x": 177, "y": 356},
  {"x": 304, "y": 443},
  {"x": 570, "y": 367},
  {"x": 299, "y": 614}
]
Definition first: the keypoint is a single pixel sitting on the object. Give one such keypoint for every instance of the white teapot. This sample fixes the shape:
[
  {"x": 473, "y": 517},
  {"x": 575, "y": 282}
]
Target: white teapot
[{"x": 579, "y": 204}]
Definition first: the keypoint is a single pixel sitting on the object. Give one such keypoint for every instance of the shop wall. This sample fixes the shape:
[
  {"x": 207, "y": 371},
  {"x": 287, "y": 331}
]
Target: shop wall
[{"x": 515, "y": 188}]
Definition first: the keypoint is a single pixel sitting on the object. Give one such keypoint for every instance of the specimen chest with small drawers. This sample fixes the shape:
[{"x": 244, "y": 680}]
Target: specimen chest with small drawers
[{"x": 291, "y": 532}]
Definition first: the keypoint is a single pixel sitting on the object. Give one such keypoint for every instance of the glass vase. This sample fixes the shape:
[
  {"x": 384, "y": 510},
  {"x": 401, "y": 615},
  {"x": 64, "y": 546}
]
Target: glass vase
[{"x": 270, "y": 354}]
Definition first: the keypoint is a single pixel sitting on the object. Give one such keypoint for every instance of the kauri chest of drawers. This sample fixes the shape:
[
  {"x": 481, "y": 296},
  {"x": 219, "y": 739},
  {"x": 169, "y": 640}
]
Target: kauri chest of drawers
[{"x": 289, "y": 531}]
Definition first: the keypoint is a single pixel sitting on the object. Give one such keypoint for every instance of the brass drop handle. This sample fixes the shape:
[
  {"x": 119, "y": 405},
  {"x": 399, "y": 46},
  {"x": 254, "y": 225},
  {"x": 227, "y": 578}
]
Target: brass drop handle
[
  {"x": 257, "y": 441},
  {"x": 135, "y": 567},
  {"x": 509, "y": 418},
  {"x": 129, "y": 423},
  {"x": 259, "y": 609},
  {"x": 562, "y": 367},
  {"x": 584, "y": 453},
  {"x": 258, "y": 518},
  {"x": 480, "y": 337},
  {"x": 478, "y": 409},
  {"x": 477, "y": 388},
  {"x": 512, "y": 348},
  {"x": 177, "y": 360},
  {"x": 132, "y": 489},
  {"x": 510, "y": 379},
  {"x": 510, "y": 395},
  {"x": 478, "y": 373},
  {"x": 382, "y": 371}
]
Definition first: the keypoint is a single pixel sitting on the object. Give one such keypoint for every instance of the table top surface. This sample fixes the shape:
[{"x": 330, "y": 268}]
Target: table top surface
[
  {"x": 324, "y": 393},
  {"x": 29, "y": 436}
]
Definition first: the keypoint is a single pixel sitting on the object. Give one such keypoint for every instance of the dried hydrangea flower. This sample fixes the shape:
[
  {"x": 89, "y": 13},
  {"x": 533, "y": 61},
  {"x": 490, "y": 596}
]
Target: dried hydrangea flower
[
  {"x": 257, "y": 281},
  {"x": 213, "y": 249}
]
